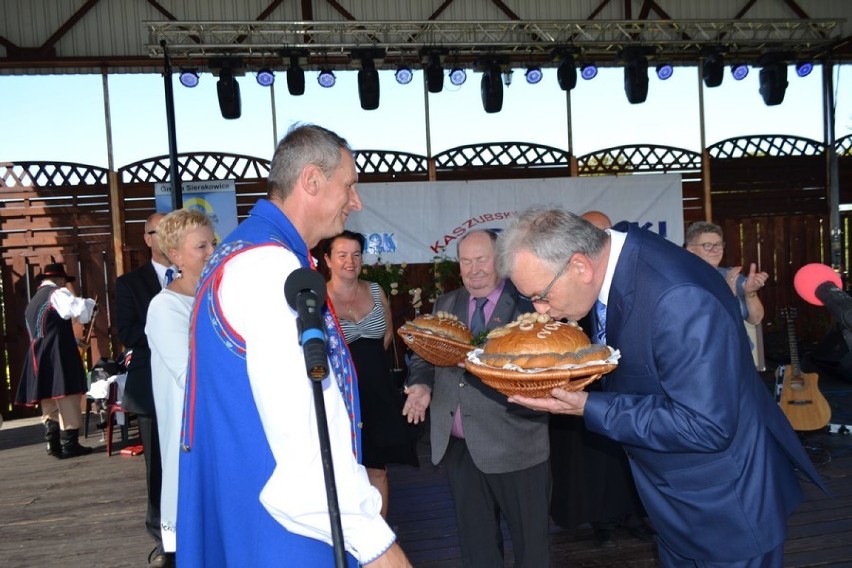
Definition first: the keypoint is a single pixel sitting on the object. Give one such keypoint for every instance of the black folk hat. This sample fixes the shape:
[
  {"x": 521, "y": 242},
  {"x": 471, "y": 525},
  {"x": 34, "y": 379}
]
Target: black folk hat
[{"x": 55, "y": 270}]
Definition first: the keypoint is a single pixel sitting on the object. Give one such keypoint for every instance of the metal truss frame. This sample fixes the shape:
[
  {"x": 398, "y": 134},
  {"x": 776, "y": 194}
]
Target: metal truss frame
[{"x": 331, "y": 44}]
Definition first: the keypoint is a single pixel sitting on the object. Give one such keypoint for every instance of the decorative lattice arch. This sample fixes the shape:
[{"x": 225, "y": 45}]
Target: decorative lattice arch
[
  {"x": 51, "y": 174},
  {"x": 766, "y": 145},
  {"x": 645, "y": 158},
  {"x": 196, "y": 167},
  {"x": 503, "y": 154},
  {"x": 843, "y": 147},
  {"x": 384, "y": 161}
]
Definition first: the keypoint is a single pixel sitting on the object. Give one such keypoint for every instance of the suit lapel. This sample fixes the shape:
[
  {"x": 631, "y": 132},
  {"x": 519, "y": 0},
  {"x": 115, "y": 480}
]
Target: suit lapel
[
  {"x": 151, "y": 280},
  {"x": 505, "y": 308}
]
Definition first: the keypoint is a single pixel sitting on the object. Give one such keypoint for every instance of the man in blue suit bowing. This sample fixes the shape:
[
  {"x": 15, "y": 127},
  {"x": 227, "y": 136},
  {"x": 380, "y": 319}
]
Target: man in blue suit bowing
[{"x": 713, "y": 457}]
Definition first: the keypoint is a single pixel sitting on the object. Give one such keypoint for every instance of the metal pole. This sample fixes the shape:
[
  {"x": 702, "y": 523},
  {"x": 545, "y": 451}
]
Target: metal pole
[
  {"x": 274, "y": 117},
  {"x": 430, "y": 163},
  {"x": 115, "y": 198},
  {"x": 705, "y": 158},
  {"x": 174, "y": 174},
  {"x": 831, "y": 171}
]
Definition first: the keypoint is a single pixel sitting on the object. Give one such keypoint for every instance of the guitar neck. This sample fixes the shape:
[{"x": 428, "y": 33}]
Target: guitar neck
[{"x": 794, "y": 348}]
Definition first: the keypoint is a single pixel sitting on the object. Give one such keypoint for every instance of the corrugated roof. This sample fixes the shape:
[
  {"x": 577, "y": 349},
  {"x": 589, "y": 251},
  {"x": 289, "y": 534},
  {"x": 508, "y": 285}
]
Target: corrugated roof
[{"x": 64, "y": 36}]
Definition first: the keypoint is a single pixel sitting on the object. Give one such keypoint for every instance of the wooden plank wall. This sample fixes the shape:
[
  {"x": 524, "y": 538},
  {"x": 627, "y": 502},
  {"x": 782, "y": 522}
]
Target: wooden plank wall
[{"x": 66, "y": 217}]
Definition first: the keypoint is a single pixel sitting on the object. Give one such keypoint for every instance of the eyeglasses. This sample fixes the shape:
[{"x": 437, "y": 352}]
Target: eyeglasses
[
  {"x": 708, "y": 247},
  {"x": 542, "y": 298}
]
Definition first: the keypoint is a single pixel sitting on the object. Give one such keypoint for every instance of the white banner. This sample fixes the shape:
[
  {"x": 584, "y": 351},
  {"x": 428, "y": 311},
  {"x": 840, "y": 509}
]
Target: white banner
[{"x": 416, "y": 221}]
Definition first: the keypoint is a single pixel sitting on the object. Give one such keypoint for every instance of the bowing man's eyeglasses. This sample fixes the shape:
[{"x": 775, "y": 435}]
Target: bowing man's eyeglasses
[
  {"x": 542, "y": 298},
  {"x": 711, "y": 247}
]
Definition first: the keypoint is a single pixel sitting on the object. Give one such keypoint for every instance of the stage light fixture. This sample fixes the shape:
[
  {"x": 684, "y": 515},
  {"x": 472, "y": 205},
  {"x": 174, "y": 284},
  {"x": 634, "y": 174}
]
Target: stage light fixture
[
  {"x": 326, "y": 78},
  {"x": 491, "y": 89},
  {"x": 566, "y": 73},
  {"x": 589, "y": 71},
  {"x": 507, "y": 77},
  {"x": 533, "y": 75},
  {"x": 804, "y": 68},
  {"x": 739, "y": 71},
  {"x": 435, "y": 74},
  {"x": 664, "y": 71},
  {"x": 458, "y": 76},
  {"x": 295, "y": 77},
  {"x": 189, "y": 77},
  {"x": 265, "y": 77},
  {"x": 712, "y": 69},
  {"x": 404, "y": 75},
  {"x": 635, "y": 75},
  {"x": 368, "y": 84},
  {"x": 773, "y": 83},
  {"x": 228, "y": 91}
]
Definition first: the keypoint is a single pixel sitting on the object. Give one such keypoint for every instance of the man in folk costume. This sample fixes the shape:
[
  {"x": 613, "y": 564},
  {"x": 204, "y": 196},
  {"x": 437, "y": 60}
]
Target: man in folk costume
[
  {"x": 53, "y": 374},
  {"x": 251, "y": 490}
]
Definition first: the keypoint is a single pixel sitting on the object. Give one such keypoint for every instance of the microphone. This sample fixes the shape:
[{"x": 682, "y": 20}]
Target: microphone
[
  {"x": 305, "y": 292},
  {"x": 818, "y": 284}
]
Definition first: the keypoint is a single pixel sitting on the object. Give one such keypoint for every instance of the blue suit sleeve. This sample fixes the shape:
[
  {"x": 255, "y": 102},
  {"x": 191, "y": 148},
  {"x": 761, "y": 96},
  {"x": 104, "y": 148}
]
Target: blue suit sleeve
[{"x": 684, "y": 397}]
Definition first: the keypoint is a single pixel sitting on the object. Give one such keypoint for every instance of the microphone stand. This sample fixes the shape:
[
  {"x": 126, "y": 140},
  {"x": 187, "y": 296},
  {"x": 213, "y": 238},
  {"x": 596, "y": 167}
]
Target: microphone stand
[{"x": 328, "y": 474}]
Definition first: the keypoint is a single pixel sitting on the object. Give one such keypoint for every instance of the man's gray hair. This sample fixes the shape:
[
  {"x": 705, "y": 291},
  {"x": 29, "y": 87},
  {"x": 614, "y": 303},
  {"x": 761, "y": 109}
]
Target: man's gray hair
[
  {"x": 304, "y": 144},
  {"x": 699, "y": 228},
  {"x": 552, "y": 235}
]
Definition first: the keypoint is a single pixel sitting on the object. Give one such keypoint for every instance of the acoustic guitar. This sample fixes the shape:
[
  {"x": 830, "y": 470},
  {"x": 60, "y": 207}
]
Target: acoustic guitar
[{"x": 801, "y": 401}]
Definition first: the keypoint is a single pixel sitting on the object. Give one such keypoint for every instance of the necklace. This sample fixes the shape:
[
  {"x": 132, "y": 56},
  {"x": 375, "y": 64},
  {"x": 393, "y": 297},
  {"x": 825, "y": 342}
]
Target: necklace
[{"x": 338, "y": 299}]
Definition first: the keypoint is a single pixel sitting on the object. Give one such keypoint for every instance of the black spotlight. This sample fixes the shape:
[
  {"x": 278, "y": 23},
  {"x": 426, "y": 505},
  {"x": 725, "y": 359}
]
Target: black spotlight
[
  {"x": 368, "y": 85},
  {"x": 635, "y": 76},
  {"x": 773, "y": 83},
  {"x": 713, "y": 69},
  {"x": 566, "y": 73},
  {"x": 492, "y": 89},
  {"x": 295, "y": 77},
  {"x": 229, "y": 94},
  {"x": 435, "y": 74}
]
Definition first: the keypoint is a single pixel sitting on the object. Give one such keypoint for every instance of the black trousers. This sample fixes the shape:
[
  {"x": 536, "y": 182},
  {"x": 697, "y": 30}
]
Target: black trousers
[
  {"x": 153, "y": 473},
  {"x": 523, "y": 498}
]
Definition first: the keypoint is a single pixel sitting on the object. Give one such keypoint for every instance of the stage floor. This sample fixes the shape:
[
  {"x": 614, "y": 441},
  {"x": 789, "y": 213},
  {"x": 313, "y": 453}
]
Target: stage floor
[{"x": 90, "y": 511}]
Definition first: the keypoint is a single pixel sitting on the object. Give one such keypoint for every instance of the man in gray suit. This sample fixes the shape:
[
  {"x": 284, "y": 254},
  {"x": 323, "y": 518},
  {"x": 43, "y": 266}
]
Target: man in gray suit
[{"x": 495, "y": 453}]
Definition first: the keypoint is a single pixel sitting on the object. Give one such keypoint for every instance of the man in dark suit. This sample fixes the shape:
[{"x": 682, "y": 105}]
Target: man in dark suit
[
  {"x": 591, "y": 477},
  {"x": 133, "y": 292},
  {"x": 713, "y": 457},
  {"x": 495, "y": 453}
]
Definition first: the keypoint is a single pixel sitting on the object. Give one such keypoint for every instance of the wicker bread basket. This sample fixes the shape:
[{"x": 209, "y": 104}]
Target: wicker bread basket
[
  {"x": 538, "y": 384},
  {"x": 440, "y": 351}
]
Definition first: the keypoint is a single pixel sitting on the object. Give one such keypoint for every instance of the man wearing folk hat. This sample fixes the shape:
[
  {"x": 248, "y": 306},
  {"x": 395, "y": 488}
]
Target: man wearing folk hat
[{"x": 53, "y": 374}]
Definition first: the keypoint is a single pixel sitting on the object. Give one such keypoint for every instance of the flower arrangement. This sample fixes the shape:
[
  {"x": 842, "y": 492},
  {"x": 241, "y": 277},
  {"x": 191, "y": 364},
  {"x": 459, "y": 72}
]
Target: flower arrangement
[
  {"x": 445, "y": 273},
  {"x": 387, "y": 275}
]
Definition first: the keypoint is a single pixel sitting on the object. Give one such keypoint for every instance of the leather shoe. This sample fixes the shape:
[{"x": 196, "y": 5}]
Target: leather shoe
[{"x": 160, "y": 559}]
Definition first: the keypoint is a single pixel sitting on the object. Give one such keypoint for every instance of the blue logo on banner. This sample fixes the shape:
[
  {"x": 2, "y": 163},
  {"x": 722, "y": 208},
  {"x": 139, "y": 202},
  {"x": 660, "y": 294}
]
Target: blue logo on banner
[{"x": 379, "y": 243}]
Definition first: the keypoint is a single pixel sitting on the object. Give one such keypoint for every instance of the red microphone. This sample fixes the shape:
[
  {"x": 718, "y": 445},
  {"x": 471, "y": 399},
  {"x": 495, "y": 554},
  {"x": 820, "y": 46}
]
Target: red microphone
[{"x": 818, "y": 284}]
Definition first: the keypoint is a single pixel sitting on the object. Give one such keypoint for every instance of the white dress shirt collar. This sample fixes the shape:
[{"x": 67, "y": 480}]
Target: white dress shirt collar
[{"x": 616, "y": 240}]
